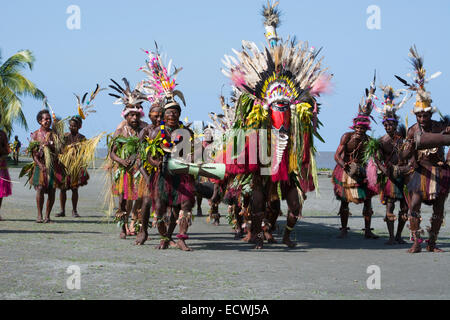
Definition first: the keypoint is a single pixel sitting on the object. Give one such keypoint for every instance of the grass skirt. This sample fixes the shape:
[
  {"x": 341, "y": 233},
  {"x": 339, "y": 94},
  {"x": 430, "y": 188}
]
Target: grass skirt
[
  {"x": 430, "y": 182},
  {"x": 126, "y": 185},
  {"x": 348, "y": 189},
  {"x": 5, "y": 180},
  {"x": 172, "y": 190},
  {"x": 54, "y": 179},
  {"x": 73, "y": 183},
  {"x": 391, "y": 190}
]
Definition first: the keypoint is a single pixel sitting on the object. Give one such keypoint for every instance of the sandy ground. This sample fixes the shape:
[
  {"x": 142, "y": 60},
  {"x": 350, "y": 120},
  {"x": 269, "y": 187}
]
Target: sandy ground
[{"x": 34, "y": 257}]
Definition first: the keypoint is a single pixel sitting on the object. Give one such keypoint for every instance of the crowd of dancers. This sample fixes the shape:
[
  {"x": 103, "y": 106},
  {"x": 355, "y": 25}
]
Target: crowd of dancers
[{"x": 273, "y": 111}]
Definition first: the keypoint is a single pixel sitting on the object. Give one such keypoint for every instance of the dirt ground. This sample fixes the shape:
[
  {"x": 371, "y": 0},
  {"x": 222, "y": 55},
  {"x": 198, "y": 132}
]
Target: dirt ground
[{"x": 34, "y": 257}]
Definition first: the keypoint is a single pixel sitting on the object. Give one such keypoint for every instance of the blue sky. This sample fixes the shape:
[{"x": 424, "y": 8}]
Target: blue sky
[{"x": 196, "y": 35}]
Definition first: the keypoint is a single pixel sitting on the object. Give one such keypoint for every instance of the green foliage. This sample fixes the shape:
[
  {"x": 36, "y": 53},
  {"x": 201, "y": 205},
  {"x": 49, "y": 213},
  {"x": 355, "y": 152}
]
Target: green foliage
[
  {"x": 14, "y": 86},
  {"x": 152, "y": 147},
  {"x": 126, "y": 146},
  {"x": 32, "y": 147},
  {"x": 243, "y": 108},
  {"x": 372, "y": 149}
]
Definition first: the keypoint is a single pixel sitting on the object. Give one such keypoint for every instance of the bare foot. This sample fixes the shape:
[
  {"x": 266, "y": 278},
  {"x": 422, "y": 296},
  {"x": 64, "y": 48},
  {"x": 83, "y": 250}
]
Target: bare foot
[
  {"x": 400, "y": 240},
  {"x": 75, "y": 214},
  {"x": 416, "y": 248},
  {"x": 39, "y": 220},
  {"x": 434, "y": 249},
  {"x": 390, "y": 242},
  {"x": 123, "y": 235},
  {"x": 163, "y": 245},
  {"x": 182, "y": 245},
  {"x": 141, "y": 238},
  {"x": 247, "y": 237},
  {"x": 61, "y": 214},
  {"x": 47, "y": 220},
  {"x": 269, "y": 237},
  {"x": 343, "y": 234},
  {"x": 368, "y": 234},
  {"x": 238, "y": 235},
  {"x": 259, "y": 243},
  {"x": 289, "y": 243},
  {"x": 172, "y": 243}
]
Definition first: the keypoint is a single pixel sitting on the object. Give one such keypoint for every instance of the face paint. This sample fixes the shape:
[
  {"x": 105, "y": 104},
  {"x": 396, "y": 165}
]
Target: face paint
[{"x": 280, "y": 114}]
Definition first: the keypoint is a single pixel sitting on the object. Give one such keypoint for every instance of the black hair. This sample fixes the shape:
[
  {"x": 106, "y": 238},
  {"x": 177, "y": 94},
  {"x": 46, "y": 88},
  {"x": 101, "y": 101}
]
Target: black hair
[
  {"x": 77, "y": 119},
  {"x": 40, "y": 114}
]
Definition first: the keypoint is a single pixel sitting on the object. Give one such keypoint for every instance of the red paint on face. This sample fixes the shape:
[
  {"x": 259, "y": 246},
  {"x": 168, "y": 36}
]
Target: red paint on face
[{"x": 280, "y": 115}]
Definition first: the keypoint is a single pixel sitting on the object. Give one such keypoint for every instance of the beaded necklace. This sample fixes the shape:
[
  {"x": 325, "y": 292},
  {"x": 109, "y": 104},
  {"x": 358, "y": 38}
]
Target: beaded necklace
[{"x": 163, "y": 135}]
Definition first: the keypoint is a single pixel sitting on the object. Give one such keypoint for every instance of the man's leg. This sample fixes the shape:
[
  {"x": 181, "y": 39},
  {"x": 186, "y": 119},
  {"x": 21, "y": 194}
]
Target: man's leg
[
  {"x": 135, "y": 214},
  {"x": 436, "y": 222},
  {"x": 75, "y": 203},
  {"x": 39, "y": 203},
  {"x": 184, "y": 216},
  {"x": 199, "y": 206},
  {"x": 50, "y": 202},
  {"x": 129, "y": 208},
  {"x": 414, "y": 222},
  {"x": 215, "y": 215},
  {"x": 145, "y": 211},
  {"x": 270, "y": 220},
  {"x": 161, "y": 209},
  {"x": 294, "y": 210},
  {"x": 402, "y": 218},
  {"x": 1, "y": 200},
  {"x": 344, "y": 213},
  {"x": 62, "y": 201},
  {"x": 367, "y": 214},
  {"x": 390, "y": 220}
]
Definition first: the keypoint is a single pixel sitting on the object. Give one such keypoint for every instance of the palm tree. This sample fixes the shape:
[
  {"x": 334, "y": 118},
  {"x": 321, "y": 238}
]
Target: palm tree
[{"x": 14, "y": 86}]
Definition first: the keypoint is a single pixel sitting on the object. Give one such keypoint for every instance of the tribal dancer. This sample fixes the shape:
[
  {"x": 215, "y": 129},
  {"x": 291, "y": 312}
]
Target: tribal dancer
[
  {"x": 349, "y": 175},
  {"x": 124, "y": 149},
  {"x": 392, "y": 168},
  {"x": 214, "y": 214},
  {"x": 46, "y": 173},
  {"x": 147, "y": 171},
  {"x": 175, "y": 191},
  {"x": 78, "y": 152},
  {"x": 430, "y": 181},
  {"x": 5, "y": 180},
  {"x": 226, "y": 190},
  {"x": 278, "y": 96}
]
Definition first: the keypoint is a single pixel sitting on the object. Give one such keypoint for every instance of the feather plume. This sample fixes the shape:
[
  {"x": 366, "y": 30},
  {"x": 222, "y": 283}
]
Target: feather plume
[{"x": 271, "y": 14}]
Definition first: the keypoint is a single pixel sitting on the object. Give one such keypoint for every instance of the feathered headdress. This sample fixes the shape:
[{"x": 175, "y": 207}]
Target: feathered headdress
[
  {"x": 160, "y": 83},
  {"x": 283, "y": 73},
  {"x": 389, "y": 106},
  {"x": 365, "y": 107},
  {"x": 271, "y": 22},
  {"x": 423, "y": 97},
  {"x": 223, "y": 122},
  {"x": 85, "y": 107},
  {"x": 131, "y": 99}
]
